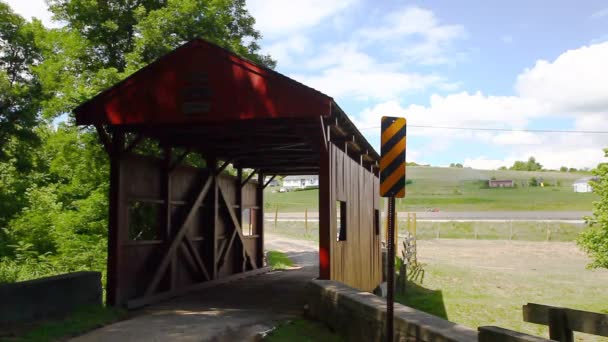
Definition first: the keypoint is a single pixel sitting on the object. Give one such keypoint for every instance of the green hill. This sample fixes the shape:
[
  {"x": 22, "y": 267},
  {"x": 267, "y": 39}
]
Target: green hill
[{"x": 464, "y": 189}]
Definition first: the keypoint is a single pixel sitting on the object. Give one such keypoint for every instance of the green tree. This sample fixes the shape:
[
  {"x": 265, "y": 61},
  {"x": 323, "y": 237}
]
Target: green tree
[
  {"x": 563, "y": 169},
  {"x": 54, "y": 179},
  {"x": 530, "y": 165},
  {"x": 19, "y": 88},
  {"x": 594, "y": 240}
]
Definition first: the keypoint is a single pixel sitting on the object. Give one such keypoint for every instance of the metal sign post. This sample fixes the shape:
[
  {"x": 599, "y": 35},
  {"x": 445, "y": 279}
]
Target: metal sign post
[{"x": 392, "y": 185}]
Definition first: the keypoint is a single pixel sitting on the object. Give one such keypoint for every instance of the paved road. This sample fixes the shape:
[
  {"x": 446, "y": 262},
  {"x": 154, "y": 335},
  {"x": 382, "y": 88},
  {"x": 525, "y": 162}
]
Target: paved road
[
  {"x": 456, "y": 215},
  {"x": 237, "y": 311}
]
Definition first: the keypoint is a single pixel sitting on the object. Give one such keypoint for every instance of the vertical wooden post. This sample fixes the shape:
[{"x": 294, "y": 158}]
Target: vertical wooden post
[
  {"x": 167, "y": 233},
  {"x": 415, "y": 223},
  {"x": 325, "y": 214},
  {"x": 239, "y": 250},
  {"x": 558, "y": 326},
  {"x": 306, "y": 220},
  {"x": 114, "y": 281},
  {"x": 215, "y": 205},
  {"x": 276, "y": 214},
  {"x": 510, "y": 230},
  {"x": 260, "y": 221}
]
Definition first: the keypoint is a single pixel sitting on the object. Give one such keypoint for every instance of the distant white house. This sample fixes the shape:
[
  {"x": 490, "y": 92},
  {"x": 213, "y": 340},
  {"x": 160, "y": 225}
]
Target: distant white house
[
  {"x": 583, "y": 184},
  {"x": 300, "y": 182}
]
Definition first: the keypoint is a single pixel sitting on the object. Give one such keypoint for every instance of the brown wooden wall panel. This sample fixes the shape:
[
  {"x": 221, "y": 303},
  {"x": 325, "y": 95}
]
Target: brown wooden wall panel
[
  {"x": 141, "y": 179},
  {"x": 249, "y": 193},
  {"x": 356, "y": 261},
  {"x": 181, "y": 180}
]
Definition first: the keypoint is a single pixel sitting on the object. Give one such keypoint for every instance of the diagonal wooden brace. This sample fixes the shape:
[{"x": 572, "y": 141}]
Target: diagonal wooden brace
[
  {"x": 178, "y": 237},
  {"x": 237, "y": 227},
  {"x": 197, "y": 258}
]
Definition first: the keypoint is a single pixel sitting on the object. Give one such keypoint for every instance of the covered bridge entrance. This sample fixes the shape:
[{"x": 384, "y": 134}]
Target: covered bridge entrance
[{"x": 175, "y": 225}]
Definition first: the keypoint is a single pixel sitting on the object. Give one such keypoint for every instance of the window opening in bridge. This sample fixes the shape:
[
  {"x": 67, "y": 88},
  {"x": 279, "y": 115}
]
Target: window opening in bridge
[
  {"x": 341, "y": 220},
  {"x": 144, "y": 220},
  {"x": 377, "y": 222},
  {"x": 248, "y": 219}
]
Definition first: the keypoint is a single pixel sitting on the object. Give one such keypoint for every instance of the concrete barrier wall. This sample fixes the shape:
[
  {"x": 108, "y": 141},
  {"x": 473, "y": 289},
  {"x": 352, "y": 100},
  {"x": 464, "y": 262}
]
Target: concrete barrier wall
[
  {"x": 44, "y": 297},
  {"x": 360, "y": 316}
]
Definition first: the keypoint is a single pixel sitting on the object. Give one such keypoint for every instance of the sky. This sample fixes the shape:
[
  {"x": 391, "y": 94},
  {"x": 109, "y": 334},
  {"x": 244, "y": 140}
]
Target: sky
[{"x": 514, "y": 65}]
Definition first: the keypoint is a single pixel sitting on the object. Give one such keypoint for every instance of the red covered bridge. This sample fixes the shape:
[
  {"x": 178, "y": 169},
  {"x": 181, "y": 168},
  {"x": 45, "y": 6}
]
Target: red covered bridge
[{"x": 174, "y": 226}]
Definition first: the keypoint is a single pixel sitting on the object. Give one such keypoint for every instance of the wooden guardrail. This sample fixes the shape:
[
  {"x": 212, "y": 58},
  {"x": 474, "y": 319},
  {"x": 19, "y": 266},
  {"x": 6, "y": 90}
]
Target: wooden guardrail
[
  {"x": 497, "y": 334},
  {"x": 563, "y": 322}
]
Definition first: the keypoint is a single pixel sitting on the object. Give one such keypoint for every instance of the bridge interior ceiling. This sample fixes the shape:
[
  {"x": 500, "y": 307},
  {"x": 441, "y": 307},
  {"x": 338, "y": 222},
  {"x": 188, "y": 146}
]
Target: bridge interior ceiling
[{"x": 271, "y": 146}]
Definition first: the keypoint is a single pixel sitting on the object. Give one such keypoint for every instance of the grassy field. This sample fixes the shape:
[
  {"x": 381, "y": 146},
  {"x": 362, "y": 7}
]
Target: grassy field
[
  {"x": 455, "y": 189},
  {"x": 477, "y": 283}
]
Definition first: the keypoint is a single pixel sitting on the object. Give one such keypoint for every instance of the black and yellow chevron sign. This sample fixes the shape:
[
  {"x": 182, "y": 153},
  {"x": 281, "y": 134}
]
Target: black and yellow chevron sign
[{"x": 392, "y": 161}]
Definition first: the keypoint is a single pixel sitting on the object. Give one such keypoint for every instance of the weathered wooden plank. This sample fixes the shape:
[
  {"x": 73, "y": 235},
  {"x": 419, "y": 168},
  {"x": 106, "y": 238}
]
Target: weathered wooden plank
[
  {"x": 558, "y": 326},
  {"x": 577, "y": 320},
  {"x": 115, "y": 255},
  {"x": 497, "y": 334},
  {"x": 237, "y": 226},
  {"x": 178, "y": 237},
  {"x": 355, "y": 261},
  {"x": 197, "y": 258}
]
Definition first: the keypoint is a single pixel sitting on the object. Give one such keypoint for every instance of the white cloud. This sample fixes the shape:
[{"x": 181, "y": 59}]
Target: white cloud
[
  {"x": 507, "y": 39},
  {"x": 576, "y": 81},
  {"x": 284, "y": 50},
  {"x": 461, "y": 110},
  {"x": 354, "y": 67},
  {"x": 33, "y": 8},
  {"x": 517, "y": 138},
  {"x": 484, "y": 163},
  {"x": 600, "y": 14},
  {"x": 346, "y": 71},
  {"x": 275, "y": 18},
  {"x": 573, "y": 86},
  {"x": 423, "y": 39}
]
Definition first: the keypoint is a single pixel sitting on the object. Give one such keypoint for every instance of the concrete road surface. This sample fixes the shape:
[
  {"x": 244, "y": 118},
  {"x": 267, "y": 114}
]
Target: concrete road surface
[{"x": 236, "y": 311}]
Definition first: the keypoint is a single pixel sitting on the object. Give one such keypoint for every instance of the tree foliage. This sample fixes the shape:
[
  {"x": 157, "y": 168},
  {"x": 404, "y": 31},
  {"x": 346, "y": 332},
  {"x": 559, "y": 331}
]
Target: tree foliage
[
  {"x": 530, "y": 165},
  {"x": 19, "y": 87},
  {"x": 595, "y": 239},
  {"x": 54, "y": 177}
]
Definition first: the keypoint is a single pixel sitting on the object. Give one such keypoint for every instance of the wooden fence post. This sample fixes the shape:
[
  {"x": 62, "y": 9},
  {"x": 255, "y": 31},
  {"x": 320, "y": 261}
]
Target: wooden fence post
[
  {"x": 276, "y": 214},
  {"x": 306, "y": 220},
  {"x": 558, "y": 326}
]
